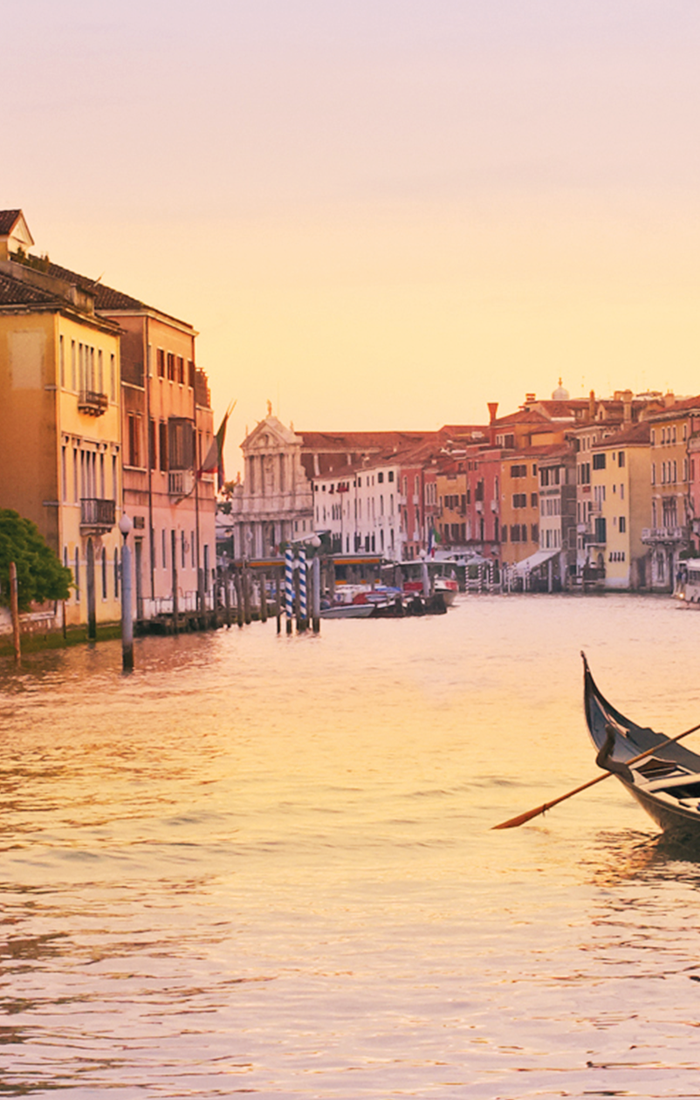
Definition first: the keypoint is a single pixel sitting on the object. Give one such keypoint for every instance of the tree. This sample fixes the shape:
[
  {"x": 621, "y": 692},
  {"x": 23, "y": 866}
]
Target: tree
[{"x": 40, "y": 575}]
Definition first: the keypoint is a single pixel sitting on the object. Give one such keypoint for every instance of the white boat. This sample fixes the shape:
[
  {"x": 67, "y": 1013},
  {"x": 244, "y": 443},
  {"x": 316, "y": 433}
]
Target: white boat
[
  {"x": 447, "y": 588},
  {"x": 347, "y": 611},
  {"x": 687, "y": 589}
]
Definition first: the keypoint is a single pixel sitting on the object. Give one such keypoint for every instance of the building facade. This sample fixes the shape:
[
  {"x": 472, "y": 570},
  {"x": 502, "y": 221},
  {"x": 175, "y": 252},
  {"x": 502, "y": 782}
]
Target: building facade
[{"x": 60, "y": 430}]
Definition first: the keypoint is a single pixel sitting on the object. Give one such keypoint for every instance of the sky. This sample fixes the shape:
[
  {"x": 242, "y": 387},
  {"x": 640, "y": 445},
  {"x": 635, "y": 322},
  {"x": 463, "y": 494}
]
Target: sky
[{"x": 378, "y": 214}]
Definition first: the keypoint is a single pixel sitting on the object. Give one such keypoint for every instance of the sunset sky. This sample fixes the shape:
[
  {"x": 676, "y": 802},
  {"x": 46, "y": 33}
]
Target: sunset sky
[{"x": 377, "y": 214}]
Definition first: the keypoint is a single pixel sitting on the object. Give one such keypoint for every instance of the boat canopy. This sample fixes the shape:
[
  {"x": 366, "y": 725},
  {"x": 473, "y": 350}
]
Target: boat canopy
[{"x": 540, "y": 557}]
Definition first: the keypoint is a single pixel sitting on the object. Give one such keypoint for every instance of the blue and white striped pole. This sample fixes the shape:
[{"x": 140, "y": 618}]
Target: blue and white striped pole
[
  {"x": 303, "y": 614},
  {"x": 289, "y": 585}
]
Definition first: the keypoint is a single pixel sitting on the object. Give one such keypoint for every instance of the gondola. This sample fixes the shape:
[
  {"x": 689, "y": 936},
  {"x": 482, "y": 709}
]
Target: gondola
[{"x": 666, "y": 782}]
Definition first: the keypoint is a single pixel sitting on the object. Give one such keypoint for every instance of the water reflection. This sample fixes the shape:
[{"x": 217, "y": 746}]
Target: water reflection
[{"x": 266, "y": 865}]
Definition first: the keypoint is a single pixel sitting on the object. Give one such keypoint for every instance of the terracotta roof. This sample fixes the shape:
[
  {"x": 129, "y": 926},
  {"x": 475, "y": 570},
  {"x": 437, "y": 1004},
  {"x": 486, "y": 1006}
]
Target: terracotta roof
[
  {"x": 686, "y": 404},
  {"x": 358, "y": 441},
  {"x": 632, "y": 434},
  {"x": 7, "y": 221},
  {"x": 523, "y": 416},
  {"x": 14, "y": 292},
  {"x": 105, "y": 297}
]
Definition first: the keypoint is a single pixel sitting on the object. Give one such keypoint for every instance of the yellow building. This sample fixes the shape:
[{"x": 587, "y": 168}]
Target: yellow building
[
  {"x": 60, "y": 437},
  {"x": 620, "y": 507},
  {"x": 671, "y": 514},
  {"x": 451, "y": 490}
]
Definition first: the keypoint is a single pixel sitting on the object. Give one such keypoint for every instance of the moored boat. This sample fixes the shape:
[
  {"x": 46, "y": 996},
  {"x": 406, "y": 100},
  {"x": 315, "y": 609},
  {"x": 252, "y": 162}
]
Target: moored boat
[
  {"x": 347, "y": 611},
  {"x": 665, "y": 781}
]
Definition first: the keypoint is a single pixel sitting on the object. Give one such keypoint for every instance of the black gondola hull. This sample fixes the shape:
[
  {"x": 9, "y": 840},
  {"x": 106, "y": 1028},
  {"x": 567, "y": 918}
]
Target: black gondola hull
[{"x": 672, "y": 769}]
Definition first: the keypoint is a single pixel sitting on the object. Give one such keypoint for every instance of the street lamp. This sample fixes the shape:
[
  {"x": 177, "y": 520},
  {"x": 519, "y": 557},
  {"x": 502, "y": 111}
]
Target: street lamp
[{"x": 125, "y": 526}]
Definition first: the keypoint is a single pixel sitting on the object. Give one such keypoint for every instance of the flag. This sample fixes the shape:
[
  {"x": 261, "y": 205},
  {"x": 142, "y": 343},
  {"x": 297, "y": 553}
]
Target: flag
[
  {"x": 433, "y": 539},
  {"x": 214, "y": 462}
]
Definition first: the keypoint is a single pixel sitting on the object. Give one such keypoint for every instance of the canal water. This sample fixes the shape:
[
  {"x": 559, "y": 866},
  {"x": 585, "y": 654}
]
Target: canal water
[{"x": 264, "y": 865}]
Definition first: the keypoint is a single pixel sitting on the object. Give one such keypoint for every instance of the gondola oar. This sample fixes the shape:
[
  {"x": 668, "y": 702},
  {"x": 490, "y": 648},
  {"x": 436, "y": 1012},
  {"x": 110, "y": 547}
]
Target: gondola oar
[{"x": 513, "y": 822}]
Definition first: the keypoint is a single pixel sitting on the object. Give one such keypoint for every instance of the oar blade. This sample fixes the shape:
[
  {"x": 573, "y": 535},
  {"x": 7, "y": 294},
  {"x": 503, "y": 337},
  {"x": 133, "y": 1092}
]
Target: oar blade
[{"x": 513, "y": 822}]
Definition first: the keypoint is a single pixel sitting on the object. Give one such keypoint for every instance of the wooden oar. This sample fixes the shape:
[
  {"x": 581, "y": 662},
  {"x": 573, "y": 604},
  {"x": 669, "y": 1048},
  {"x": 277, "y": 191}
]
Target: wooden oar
[{"x": 513, "y": 822}]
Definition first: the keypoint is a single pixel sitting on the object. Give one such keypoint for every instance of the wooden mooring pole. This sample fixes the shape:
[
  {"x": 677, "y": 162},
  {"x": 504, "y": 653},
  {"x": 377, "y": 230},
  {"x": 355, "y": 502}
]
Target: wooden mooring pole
[{"x": 14, "y": 611}]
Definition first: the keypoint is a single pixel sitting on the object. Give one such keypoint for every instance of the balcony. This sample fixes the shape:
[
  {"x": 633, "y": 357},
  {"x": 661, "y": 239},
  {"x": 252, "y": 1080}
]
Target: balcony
[
  {"x": 180, "y": 483},
  {"x": 96, "y": 516},
  {"x": 91, "y": 403},
  {"x": 668, "y": 536}
]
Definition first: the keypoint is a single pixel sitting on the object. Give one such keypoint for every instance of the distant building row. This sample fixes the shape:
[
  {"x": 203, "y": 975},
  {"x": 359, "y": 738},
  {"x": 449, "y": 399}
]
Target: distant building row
[
  {"x": 103, "y": 411},
  {"x": 563, "y": 491}
]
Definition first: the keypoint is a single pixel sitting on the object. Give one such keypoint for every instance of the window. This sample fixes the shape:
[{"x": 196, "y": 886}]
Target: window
[
  {"x": 61, "y": 364},
  {"x": 76, "y": 576},
  {"x": 520, "y": 500},
  {"x": 160, "y": 362},
  {"x": 181, "y": 370},
  {"x": 104, "y": 573},
  {"x": 152, "y": 443},
  {"x": 134, "y": 433},
  {"x": 190, "y": 374},
  {"x": 534, "y": 533},
  {"x": 518, "y": 471},
  {"x": 171, "y": 366},
  {"x": 112, "y": 378},
  {"x": 380, "y": 477},
  {"x": 599, "y": 462},
  {"x": 73, "y": 378},
  {"x": 180, "y": 444},
  {"x": 621, "y": 458},
  {"x": 390, "y": 475},
  {"x": 533, "y": 500},
  {"x": 623, "y": 525},
  {"x": 164, "y": 548},
  {"x": 163, "y": 444}
]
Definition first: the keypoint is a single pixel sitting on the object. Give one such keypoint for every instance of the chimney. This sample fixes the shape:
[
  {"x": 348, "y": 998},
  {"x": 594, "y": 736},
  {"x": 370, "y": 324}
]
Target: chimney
[
  {"x": 669, "y": 399},
  {"x": 530, "y": 398},
  {"x": 493, "y": 409},
  {"x": 627, "y": 406},
  {"x": 591, "y": 405}
]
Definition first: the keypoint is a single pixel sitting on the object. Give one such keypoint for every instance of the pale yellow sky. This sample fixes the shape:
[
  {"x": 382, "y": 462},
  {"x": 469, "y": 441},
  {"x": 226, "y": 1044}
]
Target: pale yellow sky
[{"x": 378, "y": 215}]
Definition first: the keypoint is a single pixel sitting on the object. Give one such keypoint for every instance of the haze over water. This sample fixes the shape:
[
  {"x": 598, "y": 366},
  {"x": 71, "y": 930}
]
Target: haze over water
[{"x": 265, "y": 865}]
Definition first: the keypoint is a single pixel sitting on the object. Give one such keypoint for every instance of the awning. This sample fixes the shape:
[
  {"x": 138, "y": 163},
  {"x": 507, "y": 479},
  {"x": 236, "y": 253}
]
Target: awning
[{"x": 535, "y": 560}]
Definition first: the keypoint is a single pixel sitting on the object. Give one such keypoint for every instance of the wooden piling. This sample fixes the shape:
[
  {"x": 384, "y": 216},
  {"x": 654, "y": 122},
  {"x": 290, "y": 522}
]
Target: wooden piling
[
  {"x": 227, "y": 594},
  {"x": 173, "y": 555},
  {"x": 263, "y": 598},
  {"x": 14, "y": 611},
  {"x": 246, "y": 596},
  {"x": 240, "y": 614}
]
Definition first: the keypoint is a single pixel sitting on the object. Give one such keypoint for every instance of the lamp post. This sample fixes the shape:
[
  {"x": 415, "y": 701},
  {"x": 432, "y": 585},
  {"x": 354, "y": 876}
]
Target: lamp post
[
  {"x": 125, "y": 526},
  {"x": 315, "y": 586}
]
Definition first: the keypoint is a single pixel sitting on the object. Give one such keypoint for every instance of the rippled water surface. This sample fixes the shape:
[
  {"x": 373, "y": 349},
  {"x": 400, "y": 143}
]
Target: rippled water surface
[{"x": 264, "y": 865}]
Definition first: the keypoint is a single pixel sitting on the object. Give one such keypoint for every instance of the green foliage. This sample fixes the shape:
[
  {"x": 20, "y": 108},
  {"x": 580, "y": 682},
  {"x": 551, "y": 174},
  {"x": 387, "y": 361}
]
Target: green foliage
[{"x": 40, "y": 575}]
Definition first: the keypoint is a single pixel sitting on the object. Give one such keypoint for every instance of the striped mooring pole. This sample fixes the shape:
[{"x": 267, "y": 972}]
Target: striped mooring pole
[
  {"x": 289, "y": 585},
  {"x": 303, "y": 613}
]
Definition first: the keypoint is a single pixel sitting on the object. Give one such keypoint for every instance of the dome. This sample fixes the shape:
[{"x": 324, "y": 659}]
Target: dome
[{"x": 560, "y": 394}]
